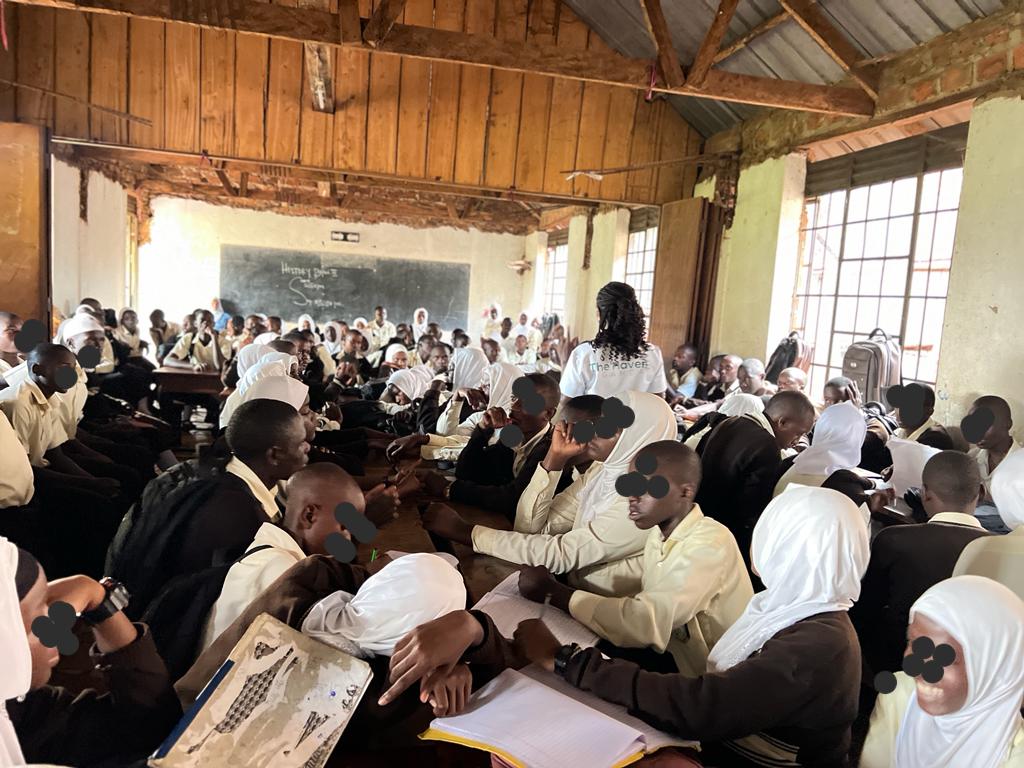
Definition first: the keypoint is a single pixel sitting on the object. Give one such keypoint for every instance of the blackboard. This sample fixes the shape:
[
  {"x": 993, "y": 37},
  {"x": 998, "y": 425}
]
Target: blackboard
[{"x": 334, "y": 286}]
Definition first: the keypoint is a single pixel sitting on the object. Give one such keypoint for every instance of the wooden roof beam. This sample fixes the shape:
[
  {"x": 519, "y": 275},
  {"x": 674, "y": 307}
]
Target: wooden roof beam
[
  {"x": 712, "y": 42},
  {"x": 813, "y": 20},
  {"x": 312, "y": 26},
  {"x": 741, "y": 42},
  {"x": 383, "y": 21},
  {"x": 320, "y": 65},
  {"x": 668, "y": 59}
]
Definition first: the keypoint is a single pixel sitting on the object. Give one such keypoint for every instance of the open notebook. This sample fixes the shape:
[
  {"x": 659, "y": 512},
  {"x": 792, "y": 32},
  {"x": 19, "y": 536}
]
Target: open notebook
[
  {"x": 533, "y": 719},
  {"x": 280, "y": 700},
  {"x": 507, "y": 608}
]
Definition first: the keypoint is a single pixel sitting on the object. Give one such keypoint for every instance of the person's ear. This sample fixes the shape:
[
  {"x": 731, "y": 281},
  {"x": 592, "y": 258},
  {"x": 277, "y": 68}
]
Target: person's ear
[
  {"x": 688, "y": 491},
  {"x": 308, "y": 515}
]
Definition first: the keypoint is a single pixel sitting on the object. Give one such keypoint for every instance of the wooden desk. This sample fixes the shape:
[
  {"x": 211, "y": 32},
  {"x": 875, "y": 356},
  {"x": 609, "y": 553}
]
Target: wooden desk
[{"x": 181, "y": 381}]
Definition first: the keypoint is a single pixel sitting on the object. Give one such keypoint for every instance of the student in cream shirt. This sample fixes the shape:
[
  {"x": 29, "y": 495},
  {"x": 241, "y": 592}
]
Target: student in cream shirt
[
  {"x": 584, "y": 532},
  {"x": 618, "y": 359},
  {"x": 16, "y": 482},
  {"x": 694, "y": 582}
]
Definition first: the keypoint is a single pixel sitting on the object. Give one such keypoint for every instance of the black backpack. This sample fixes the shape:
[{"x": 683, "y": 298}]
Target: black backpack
[
  {"x": 178, "y": 615},
  {"x": 151, "y": 534},
  {"x": 792, "y": 352}
]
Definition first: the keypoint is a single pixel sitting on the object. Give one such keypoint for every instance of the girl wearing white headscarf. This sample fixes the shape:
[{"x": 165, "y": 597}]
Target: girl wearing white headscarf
[
  {"x": 497, "y": 382},
  {"x": 585, "y": 531},
  {"x": 248, "y": 356},
  {"x": 407, "y": 386},
  {"x": 49, "y": 725},
  {"x": 334, "y": 346},
  {"x": 971, "y": 717},
  {"x": 396, "y": 357},
  {"x": 307, "y": 323},
  {"x": 739, "y": 404},
  {"x": 838, "y": 438},
  {"x": 410, "y": 591},
  {"x": 787, "y": 672},
  {"x": 272, "y": 363},
  {"x": 420, "y": 320}
]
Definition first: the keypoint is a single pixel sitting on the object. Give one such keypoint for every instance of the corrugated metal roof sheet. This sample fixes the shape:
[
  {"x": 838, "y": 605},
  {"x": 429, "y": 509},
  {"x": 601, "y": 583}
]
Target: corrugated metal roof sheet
[{"x": 877, "y": 27}]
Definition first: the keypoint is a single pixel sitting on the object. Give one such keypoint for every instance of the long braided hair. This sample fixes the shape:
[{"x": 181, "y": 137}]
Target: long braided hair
[{"x": 621, "y": 324}]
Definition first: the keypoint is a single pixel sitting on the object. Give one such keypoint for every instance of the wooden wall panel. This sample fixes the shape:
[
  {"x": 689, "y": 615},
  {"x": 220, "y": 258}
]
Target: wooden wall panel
[
  {"x": 535, "y": 111},
  {"x": 35, "y": 51},
  {"x": 246, "y": 96},
  {"x": 251, "y": 56},
  {"x": 9, "y": 68},
  {"x": 474, "y": 101},
  {"x": 415, "y": 100},
  {"x": 506, "y": 97},
  {"x": 146, "y": 81},
  {"x": 217, "y": 91},
  {"x": 181, "y": 105},
  {"x": 72, "y": 74},
  {"x": 566, "y": 103},
  {"x": 622, "y": 106},
  {"x": 445, "y": 83},
  {"x": 680, "y": 235}
]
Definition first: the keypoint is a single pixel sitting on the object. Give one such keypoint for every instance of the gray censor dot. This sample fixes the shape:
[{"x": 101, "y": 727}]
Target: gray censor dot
[
  {"x": 65, "y": 377},
  {"x": 54, "y": 630},
  {"x": 885, "y": 682},
  {"x": 975, "y": 425},
  {"x": 511, "y": 436},
  {"x": 631, "y": 484},
  {"x": 361, "y": 528},
  {"x": 583, "y": 431},
  {"x": 32, "y": 334},
  {"x": 89, "y": 357},
  {"x": 526, "y": 391}
]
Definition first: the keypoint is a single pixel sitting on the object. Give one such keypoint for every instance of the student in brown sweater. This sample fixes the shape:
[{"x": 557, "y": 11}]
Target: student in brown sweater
[
  {"x": 51, "y": 725},
  {"x": 781, "y": 686}
]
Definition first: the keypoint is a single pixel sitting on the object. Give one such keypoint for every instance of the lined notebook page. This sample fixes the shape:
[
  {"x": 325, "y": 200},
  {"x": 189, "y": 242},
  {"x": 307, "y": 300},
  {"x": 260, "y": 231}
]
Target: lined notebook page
[
  {"x": 539, "y": 727},
  {"x": 507, "y": 608},
  {"x": 651, "y": 737}
]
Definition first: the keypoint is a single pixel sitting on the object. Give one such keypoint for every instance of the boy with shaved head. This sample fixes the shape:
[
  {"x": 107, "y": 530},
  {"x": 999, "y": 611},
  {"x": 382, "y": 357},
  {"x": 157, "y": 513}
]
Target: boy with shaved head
[
  {"x": 313, "y": 494},
  {"x": 694, "y": 582},
  {"x": 908, "y": 559},
  {"x": 995, "y": 444}
]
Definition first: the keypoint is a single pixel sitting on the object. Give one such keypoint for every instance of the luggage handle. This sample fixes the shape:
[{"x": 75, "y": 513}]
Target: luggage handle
[{"x": 879, "y": 331}]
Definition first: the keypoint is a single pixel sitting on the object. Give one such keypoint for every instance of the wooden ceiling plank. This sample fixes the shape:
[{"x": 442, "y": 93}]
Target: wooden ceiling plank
[
  {"x": 320, "y": 62},
  {"x": 350, "y": 25},
  {"x": 668, "y": 60},
  {"x": 813, "y": 20},
  {"x": 712, "y": 42},
  {"x": 305, "y": 25},
  {"x": 741, "y": 42}
]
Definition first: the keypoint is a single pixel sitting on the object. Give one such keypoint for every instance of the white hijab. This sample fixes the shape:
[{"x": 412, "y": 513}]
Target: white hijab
[
  {"x": 394, "y": 349},
  {"x": 469, "y": 368},
  {"x": 500, "y": 378},
  {"x": 312, "y": 323},
  {"x": 409, "y": 382},
  {"x": 282, "y": 388},
  {"x": 653, "y": 421},
  {"x": 838, "y": 438},
  {"x": 1008, "y": 490},
  {"x": 271, "y": 365},
  {"x": 17, "y": 658},
  {"x": 741, "y": 404},
  {"x": 521, "y": 329},
  {"x": 334, "y": 347},
  {"x": 408, "y": 592},
  {"x": 987, "y": 619},
  {"x": 248, "y": 356},
  {"x": 810, "y": 547},
  {"x": 418, "y": 329}
]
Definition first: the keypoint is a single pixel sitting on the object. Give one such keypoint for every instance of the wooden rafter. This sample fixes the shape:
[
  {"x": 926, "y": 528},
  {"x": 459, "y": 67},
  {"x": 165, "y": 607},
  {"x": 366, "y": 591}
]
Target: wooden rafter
[
  {"x": 320, "y": 66},
  {"x": 741, "y": 42},
  {"x": 349, "y": 23},
  {"x": 225, "y": 182},
  {"x": 668, "y": 60},
  {"x": 383, "y": 20},
  {"x": 312, "y": 26},
  {"x": 813, "y": 20},
  {"x": 712, "y": 42}
]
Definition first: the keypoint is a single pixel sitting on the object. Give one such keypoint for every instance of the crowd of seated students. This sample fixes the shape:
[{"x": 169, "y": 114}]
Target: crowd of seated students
[{"x": 749, "y": 602}]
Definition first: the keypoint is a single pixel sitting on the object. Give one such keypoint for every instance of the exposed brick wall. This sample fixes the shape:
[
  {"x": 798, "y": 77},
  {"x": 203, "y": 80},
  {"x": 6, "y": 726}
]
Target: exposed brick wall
[{"x": 971, "y": 61}]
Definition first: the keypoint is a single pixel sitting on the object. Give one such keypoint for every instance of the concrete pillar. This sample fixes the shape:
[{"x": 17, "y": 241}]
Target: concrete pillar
[
  {"x": 760, "y": 252},
  {"x": 981, "y": 349},
  {"x": 535, "y": 251},
  {"x": 608, "y": 248}
]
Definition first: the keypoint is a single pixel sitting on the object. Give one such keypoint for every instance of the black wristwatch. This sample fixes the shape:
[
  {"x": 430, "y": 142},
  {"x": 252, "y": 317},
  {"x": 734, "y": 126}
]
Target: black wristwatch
[
  {"x": 565, "y": 653},
  {"x": 116, "y": 600}
]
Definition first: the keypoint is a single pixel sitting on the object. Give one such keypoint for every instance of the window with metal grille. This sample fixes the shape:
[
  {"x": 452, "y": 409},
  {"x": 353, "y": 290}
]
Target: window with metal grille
[
  {"x": 640, "y": 255},
  {"x": 877, "y": 256},
  {"x": 556, "y": 271}
]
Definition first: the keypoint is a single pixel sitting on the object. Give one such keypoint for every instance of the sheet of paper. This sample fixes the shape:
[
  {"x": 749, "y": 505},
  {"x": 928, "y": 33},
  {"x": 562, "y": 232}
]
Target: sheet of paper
[
  {"x": 908, "y": 460},
  {"x": 540, "y": 727},
  {"x": 652, "y": 738},
  {"x": 507, "y": 608}
]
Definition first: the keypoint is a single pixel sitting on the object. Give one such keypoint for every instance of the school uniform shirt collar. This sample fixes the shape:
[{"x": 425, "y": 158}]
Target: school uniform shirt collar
[
  {"x": 523, "y": 451},
  {"x": 278, "y": 538},
  {"x": 35, "y": 394},
  {"x": 267, "y": 497},
  {"x": 680, "y": 532},
  {"x": 902, "y": 433},
  {"x": 957, "y": 518}
]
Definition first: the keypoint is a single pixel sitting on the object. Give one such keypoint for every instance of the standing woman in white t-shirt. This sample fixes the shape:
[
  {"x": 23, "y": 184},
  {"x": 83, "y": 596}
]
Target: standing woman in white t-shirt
[{"x": 618, "y": 359}]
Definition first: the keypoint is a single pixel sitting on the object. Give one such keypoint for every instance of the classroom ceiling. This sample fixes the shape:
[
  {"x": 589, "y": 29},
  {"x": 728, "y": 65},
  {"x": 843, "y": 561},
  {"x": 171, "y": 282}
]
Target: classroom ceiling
[{"x": 876, "y": 27}]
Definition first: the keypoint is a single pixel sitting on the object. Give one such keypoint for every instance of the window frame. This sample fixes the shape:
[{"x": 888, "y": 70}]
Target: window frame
[
  {"x": 648, "y": 256},
  {"x": 556, "y": 254}
]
